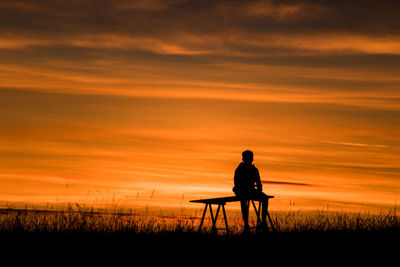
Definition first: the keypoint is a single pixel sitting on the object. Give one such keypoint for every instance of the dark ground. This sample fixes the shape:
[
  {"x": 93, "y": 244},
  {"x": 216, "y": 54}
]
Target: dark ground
[{"x": 326, "y": 248}]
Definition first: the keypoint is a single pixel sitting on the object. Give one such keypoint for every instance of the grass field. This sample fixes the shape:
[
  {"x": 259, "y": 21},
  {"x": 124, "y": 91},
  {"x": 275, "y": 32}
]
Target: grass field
[
  {"x": 76, "y": 219},
  {"x": 89, "y": 231}
]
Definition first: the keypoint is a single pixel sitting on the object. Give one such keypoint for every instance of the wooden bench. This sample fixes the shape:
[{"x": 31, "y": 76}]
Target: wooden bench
[{"x": 221, "y": 202}]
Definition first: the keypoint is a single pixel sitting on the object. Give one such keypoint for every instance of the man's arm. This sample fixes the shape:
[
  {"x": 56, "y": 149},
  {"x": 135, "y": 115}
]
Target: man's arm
[
  {"x": 258, "y": 181},
  {"x": 236, "y": 182}
]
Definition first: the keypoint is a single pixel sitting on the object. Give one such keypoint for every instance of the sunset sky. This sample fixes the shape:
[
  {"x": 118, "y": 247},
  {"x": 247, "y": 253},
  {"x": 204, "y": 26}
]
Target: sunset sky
[{"x": 153, "y": 101}]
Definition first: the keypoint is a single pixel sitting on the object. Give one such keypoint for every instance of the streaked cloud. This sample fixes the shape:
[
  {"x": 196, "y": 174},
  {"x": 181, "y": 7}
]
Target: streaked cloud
[
  {"x": 146, "y": 5},
  {"x": 285, "y": 183},
  {"x": 354, "y": 144},
  {"x": 245, "y": 28}
]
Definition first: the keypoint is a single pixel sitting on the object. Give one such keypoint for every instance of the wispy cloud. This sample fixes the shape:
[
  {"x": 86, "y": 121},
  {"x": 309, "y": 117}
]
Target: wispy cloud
[
  {"x": 354, "y": 144},
  {"x": 201, "y": 27},
  {"x": 285, "y": 183}
]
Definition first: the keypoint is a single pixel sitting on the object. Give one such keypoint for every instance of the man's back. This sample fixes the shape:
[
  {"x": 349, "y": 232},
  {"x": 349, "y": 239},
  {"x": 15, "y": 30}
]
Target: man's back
[{"x": 246, "y": 179}]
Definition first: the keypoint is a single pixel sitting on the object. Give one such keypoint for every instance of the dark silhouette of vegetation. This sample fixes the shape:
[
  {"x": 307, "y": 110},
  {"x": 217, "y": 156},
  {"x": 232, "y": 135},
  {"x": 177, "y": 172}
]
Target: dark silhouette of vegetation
[{"x": 93, "y": 235}]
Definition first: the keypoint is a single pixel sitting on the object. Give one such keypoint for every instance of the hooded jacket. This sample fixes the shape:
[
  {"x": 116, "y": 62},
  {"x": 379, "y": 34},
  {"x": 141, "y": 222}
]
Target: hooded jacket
[{"x": 247, "y": 179}]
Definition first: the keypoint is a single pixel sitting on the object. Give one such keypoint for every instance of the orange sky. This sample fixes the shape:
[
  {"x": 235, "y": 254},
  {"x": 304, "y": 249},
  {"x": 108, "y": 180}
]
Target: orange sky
[{"x": 152, "y": 102}]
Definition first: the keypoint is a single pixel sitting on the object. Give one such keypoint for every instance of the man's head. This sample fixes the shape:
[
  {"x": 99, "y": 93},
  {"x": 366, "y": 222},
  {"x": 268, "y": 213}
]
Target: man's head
[{"x": 247, "y": 156}]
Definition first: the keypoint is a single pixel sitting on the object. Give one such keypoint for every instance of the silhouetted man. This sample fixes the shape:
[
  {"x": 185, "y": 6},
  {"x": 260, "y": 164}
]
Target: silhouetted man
[{"x": 248, "y": 186}]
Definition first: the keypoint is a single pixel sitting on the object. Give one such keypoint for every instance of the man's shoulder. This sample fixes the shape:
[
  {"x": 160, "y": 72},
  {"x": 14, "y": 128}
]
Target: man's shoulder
[
  {"x": 246, "y": 166},
  {"x": 240, "y": 165}
]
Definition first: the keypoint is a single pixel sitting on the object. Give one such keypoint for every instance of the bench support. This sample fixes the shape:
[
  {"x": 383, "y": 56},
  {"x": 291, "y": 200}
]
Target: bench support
[
  {"x": 221, "y": 202},
  {"x": 258, "y": 214},
  {"x": 214, "y": 219}
]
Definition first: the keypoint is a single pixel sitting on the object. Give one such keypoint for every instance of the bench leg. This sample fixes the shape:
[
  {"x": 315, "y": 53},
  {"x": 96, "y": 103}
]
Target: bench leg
[
  {"x": 260, "y": 223},
  {"x": 202, "y": 218},
  {"x": 269, "y": 217},
  {"x": 257, "y": 213},
  {"x": 226, "y": 221},
  {"x": 214, "y": 219},
  {"x": 270, "y": 222}
]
